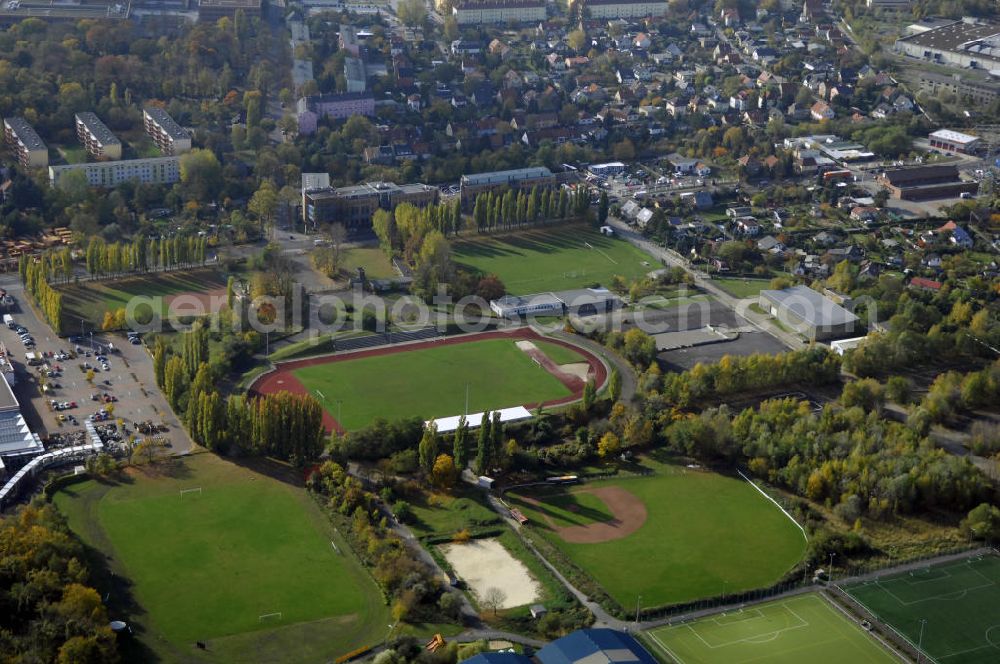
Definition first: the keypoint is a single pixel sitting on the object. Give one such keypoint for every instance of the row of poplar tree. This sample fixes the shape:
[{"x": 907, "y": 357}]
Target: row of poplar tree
[
  {"x": 35, "y": 277},
  {"x": 283, "y": 425},
  {"x": 491, "y": 448},
  {"x": 495, "y": 210},
  {"x": 110, "y": 259}
]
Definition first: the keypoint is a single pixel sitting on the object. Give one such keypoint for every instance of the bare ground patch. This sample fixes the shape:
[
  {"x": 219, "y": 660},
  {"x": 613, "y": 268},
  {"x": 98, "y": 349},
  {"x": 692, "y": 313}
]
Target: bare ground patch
[
  {"x": 629, "y": 514},
  {"x": 485, "y": 564}
]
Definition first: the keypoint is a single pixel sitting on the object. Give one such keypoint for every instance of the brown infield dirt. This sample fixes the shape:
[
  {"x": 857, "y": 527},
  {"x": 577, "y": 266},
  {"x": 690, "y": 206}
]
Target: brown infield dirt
[
  {"x": 629, "y": 513},
  {"x": 283, "y": 378}
]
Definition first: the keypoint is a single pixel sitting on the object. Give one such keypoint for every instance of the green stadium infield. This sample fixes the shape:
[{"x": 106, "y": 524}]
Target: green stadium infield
[
  {"x": 805, "y": 628},
  {"x": 432, "y": 379},
  {"x": 678, "y": 535},
  {"x": 960, "y": 602}
]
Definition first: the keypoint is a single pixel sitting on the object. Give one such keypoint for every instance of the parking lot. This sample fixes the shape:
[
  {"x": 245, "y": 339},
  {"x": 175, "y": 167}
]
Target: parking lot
[{"x": 69, "y": 382}]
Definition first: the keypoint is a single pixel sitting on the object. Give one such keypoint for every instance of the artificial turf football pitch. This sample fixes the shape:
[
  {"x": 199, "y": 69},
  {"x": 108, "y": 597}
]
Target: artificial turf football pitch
[
  {"x": 799, "y": 629},
  {"x": 960, "y": 602}
]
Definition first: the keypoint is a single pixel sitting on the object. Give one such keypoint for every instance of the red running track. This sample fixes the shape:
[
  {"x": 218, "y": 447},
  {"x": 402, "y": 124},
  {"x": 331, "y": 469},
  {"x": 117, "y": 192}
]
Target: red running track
[{"x": 282, "y": 379}]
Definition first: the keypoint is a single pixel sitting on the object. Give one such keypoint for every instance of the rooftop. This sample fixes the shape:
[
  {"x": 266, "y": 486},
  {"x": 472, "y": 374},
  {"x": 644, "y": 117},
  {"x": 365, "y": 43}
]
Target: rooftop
[
  {"x": 369, "y": 189},
  {"x": 902, "y": 177},
  {"x": 235, "y": 4},
  {"x": 25, "y": 133},
  {"x": 954, "y": 136},
  {"x": 954, "y": 36},
  {"x": 809, "y": 306},
  {"x": 595, "y": 646},
  {"x": 97, "y": 129},
  {"x": 166, "y": 123},
  {"x": 514, "y": 175}
]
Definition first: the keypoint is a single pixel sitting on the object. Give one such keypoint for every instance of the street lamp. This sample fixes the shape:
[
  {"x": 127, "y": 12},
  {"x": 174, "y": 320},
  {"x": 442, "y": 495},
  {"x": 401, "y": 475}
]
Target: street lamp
[
  {"x": 340, "y": 403},
  {"x": 829, "y": 572},
  {"x": 637, "y": 600},
  {"x": 388, "y": 634},
  {"x": 920, "y": 640}
]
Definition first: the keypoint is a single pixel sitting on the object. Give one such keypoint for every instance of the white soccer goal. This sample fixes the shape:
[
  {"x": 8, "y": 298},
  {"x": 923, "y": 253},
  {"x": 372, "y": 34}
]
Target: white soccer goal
[
  {"x": 194, "y": 490},
  {"x": 270, "y": 617}
]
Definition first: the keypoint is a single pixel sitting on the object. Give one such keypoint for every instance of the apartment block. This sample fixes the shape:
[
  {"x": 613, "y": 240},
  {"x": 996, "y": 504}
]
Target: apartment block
[
  {"x": 96, "y": 137},
  {"x": 213, "y": 10},
  {"x": 625, "y": 8},
  {"x": 22, "y": 138},
  {"x": 355, "y": 206},
  {"x": 169, "y": 136},
  {"x": 156, "y": 170},
  {"x": 492, "y": 12},
  {"x": 336, "y": 106}
]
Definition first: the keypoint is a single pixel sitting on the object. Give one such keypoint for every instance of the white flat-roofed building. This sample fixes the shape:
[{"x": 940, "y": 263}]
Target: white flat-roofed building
[
  {"x": 809, "y": 313},
  {"x": 954, "y": 141},
  {"x": 169, "y": 136},
  {"x": 156, "y": 170},
  {"x": 25, "y": 141},
  {"x": 625, "y": 8},
  {"x": 96, "y": 137},
  {"x": 491, "y": 12},
  {"x": 608, "y": 169},
  {"x": 518, "y": 178}
]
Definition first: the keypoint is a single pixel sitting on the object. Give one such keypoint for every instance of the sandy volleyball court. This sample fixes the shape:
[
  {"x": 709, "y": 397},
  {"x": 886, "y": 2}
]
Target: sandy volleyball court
[{"x": 485, "y": 564}]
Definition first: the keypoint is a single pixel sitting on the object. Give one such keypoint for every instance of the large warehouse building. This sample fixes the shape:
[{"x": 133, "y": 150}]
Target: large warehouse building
[
  {"x": 925, "y": 183},
  {"x": 810, "y": 314}
]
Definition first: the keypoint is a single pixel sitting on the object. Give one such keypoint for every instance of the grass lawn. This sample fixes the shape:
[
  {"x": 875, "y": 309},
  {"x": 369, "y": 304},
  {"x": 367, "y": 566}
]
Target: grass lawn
[
  {"x": 431, "y": 382},
  {"x": 790, "y": 631},
  {"x": 958, "y": 600},
  {"x": 73, "y": 155},
  {"x": 207, "y": 565},
  {"x": 558, "y": 353},
  {"x": 705, "y": 534},
  {"x": 377, "y": 265},
  {"x": 743, "y": 288},
  {"x": 446, "y": 514},
  {"x": 92, "y": 299},
  {"x": 553, "y": 259}
]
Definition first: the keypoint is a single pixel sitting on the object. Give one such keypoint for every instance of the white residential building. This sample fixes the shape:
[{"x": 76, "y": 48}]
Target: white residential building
[{"x": 156, "y": 170}]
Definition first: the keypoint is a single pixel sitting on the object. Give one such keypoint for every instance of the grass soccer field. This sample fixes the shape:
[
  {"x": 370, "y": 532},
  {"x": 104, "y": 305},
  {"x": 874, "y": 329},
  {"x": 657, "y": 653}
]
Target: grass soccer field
[
  {"x": 692, "y": 533},
  {"x": 553, "y": 259},
  {"x": 960, "y": 602},
  {"x": 790, "y": 631},
  {"x": 91, "y": 300},
  {"x": 243, "y": 562},
  {"x": 430, "y": 382}
]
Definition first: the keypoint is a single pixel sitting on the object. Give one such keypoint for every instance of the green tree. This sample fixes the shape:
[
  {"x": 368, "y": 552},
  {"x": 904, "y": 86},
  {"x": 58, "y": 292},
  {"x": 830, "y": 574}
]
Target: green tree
[
  {"x": 602, "y": 208},
  {"x": 589, "y": 395},
  {"x": 615, "y": 384},
  {"x": 428, "y": 448},
  {"x": 983, "y": 523},
  {"x": 461, "y": 444},
  {"x": 483, "y": 459}
]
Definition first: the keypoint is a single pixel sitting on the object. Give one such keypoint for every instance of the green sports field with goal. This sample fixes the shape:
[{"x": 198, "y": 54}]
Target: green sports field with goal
[
  {"x": 551, "y": 259},
  {"x": 219, "y": 553},
  {"x": 789, "y": 631},
  {"x": 960, "y": 602}
]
